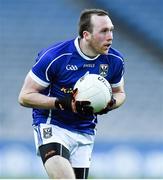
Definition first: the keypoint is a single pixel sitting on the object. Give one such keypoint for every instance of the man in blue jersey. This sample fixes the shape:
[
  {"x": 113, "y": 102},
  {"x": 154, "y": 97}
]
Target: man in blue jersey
[{"x": 64, "y": 128}]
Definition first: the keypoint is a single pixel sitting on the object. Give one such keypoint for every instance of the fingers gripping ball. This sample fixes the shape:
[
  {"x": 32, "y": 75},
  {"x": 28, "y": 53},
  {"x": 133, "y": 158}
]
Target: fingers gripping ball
[
  {"x": 94, "y": 88},
  {"x": 68, "y": 103}
]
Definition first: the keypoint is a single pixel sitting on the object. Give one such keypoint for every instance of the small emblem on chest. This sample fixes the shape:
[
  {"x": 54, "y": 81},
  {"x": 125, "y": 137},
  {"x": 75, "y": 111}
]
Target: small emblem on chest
[{"x": 103, "y": 69}]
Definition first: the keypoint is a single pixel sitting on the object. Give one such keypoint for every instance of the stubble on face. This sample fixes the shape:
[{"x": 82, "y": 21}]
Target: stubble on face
[{"x": 99, "y": 41}]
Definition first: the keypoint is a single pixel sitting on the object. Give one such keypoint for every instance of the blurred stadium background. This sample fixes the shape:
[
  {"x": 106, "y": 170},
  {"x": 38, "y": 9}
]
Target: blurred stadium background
[{"x": 129, "y": 141}]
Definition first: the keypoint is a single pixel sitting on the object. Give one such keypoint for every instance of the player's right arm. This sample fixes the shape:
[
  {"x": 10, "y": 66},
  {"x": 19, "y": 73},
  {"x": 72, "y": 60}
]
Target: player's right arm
[{"x": 30, "y": 95}]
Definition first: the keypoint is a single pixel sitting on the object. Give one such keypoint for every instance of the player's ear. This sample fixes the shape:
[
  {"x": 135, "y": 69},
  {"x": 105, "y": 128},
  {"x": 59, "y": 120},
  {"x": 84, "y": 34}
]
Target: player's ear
[{"x": 86, "y": 35}]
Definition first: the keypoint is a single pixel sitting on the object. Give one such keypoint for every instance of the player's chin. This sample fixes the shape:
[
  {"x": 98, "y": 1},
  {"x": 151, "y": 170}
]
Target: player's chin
[{"x": 105, "y": 52}]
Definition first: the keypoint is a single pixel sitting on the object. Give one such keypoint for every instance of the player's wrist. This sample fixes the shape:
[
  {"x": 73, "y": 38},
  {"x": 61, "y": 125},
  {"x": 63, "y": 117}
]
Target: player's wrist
[
  {"x": 112, "y": 103},
  {"x": 64, "y": 103},
  {"x": 56, "y": 104}
]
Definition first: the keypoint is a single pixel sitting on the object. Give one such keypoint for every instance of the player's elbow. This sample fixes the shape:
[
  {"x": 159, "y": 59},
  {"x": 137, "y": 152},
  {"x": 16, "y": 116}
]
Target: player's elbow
[
  {"x": 123, "y": 97},
  {"x": 22, "y": 99}
]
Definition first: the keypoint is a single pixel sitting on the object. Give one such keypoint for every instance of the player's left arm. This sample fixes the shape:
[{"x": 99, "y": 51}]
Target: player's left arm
[
  {"x": 118, "y": 98},
  {"x": 118, "y": 90},
  {"x": 119, "y": 95}
]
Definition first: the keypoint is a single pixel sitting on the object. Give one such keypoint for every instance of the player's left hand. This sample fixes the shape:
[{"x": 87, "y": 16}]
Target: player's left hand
[{"x": 108, "y": 108}]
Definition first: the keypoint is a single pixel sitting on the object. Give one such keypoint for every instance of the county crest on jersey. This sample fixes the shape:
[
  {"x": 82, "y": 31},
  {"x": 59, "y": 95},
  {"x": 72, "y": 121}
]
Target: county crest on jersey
[{"x": 103, "y": 71}]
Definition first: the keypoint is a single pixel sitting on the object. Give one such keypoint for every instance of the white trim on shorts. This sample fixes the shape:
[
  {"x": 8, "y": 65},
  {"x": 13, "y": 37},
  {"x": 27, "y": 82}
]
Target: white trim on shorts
[{"x": 80, "y": 145}]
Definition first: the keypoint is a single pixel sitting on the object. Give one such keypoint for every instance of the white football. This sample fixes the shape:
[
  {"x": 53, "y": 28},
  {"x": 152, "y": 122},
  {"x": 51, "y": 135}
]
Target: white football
[{"x": 94, "y": 88}]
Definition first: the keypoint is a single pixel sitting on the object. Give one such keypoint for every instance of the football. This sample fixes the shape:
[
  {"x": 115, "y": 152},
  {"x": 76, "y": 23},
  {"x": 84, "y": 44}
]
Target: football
[{"x": 94, "y": 88}]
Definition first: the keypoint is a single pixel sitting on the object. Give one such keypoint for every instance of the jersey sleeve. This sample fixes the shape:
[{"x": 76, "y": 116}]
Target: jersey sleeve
[
  {"x": 117, "y": 79},
  {"x": 41, "y": 72}
]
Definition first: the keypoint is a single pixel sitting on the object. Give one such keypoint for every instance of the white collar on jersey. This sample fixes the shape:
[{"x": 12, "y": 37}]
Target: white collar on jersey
[{"x": 76, "y": 42}]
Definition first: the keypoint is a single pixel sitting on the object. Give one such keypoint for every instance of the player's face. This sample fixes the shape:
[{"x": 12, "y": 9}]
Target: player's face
[{"x": 102, "y": 34}]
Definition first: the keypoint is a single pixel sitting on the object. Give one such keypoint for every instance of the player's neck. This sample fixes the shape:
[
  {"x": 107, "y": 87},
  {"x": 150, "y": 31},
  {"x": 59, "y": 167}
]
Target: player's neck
[{"x": 84, "y": 47}]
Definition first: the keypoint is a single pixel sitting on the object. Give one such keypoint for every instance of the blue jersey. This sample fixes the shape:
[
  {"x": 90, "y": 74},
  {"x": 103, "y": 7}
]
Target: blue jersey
[{"x": 58, "y": 67}]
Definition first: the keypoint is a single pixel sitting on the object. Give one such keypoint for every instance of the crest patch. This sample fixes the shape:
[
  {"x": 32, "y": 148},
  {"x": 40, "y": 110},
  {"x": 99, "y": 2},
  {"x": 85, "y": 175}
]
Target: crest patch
[
  {"x": 47, "y": 132},
  {"x": 103, "y": 70}
]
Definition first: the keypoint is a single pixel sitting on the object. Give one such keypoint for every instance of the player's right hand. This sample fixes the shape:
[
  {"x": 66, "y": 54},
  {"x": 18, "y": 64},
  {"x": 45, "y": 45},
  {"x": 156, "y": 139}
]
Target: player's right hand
[
  {"x": 68, "y": 103},
  {"x": 84, "y": 108},
  {"x": 64, "y": 103}
]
